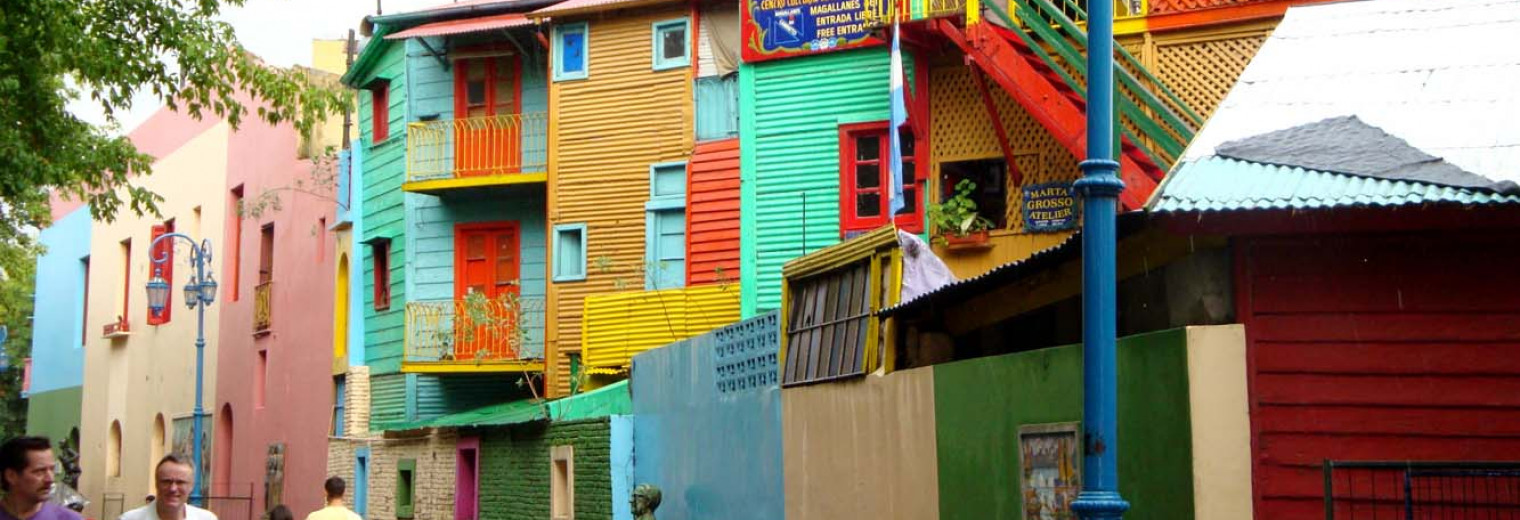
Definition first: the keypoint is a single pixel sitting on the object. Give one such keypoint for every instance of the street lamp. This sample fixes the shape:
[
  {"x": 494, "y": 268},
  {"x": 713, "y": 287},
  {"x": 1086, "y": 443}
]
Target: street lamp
[{"x": 200, "y": 291}]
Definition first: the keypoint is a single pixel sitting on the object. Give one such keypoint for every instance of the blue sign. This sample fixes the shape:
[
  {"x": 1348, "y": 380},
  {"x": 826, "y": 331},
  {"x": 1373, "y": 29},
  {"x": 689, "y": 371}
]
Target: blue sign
[
  {"x": 781, "y": 28},
  {"x": 1049, "y": 207}
]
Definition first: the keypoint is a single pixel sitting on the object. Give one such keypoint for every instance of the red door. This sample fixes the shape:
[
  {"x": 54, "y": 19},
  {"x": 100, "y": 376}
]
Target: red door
[
  {"x": 486, "y": 90},
  {"x": 486, "y": 262}
]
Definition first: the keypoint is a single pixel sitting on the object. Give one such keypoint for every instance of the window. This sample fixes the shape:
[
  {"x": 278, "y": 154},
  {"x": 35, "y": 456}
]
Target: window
[
  {"x": 379, "y": 110},
  {"x": 717, "y": 107},
  {"x": 570, "y": 45},
  {"x": 569, "y": 252},
  {"x": 126, "y": 281},
  {"x": 665, "y": 227},
  {"x": 487, "y": 86},
  {"x": 260, "y": 379},
  {"x": 672, "y": 39},
  {"x": 865, "y": 179},
  {"x": 828, "y": 325},
  {"x": 321, "y": 236},
  {"x": 340, "y": 393},
  {"x": 562, "y": 483},
  {"x": 84, "y": 303},
  {"x": 266, "y": 254},
  {"x": 991, "y": 193},
  {"x": 380, "y": 252},
  {"x": 235, "y": 252},
  {"x": 406, "y": 474},
  {"x": 165, "y": 250}
]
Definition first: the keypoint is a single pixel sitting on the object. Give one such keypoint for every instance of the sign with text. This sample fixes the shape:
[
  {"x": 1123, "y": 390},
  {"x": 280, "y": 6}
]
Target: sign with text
[
  {"x": 1049, "y": 207},
  {"x": 783, "y": 28}
]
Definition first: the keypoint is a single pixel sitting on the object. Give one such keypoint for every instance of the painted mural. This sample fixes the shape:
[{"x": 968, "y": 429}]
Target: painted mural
[
  {"x": 1050, "y": 472},
  {"x": 774, "y": 29}
]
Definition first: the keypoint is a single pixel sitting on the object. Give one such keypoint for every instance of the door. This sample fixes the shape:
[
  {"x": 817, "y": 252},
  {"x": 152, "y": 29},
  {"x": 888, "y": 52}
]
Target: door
[
  {"x": 486, "y": 263},
  {"x": 667, "y": 250},
  {"x": 361, "y": 481},
  {"x": 486, "y": 91}
]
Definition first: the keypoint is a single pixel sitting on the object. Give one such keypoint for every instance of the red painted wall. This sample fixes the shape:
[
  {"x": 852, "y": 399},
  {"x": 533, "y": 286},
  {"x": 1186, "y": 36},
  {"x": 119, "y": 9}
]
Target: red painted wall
[
  {"x": 1400, "y": 346},
  {"x": 712, "y": 223},
  {"x": 298, "y": 383}
]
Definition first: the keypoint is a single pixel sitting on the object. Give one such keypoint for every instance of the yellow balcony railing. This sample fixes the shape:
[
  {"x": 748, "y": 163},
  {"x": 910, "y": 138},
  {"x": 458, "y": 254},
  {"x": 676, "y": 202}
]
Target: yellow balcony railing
[
  {"x": 263, "y": 306},
  {"x": 617, "y": 326},
  {"x": 487, "y": 146},
  {"x": 474, "y": 335}
]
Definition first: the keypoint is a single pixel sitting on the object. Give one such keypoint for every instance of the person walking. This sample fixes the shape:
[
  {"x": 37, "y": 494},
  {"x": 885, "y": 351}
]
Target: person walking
[
  {"x": 27, "y": 463},
  {"x": 173, "y": 479},
  {"x": 335, "y": 509}
]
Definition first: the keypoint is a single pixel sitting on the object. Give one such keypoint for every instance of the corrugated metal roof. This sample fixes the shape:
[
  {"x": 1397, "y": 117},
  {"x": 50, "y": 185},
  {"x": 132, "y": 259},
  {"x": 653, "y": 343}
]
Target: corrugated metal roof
[
  {"x": 612, "y": 399},
  {"x": 590, "y": 6},
  {"x": 465, "y": 26},
  {"x": 1426, "y": 71},
  {"x": 1221, "y": 184}
]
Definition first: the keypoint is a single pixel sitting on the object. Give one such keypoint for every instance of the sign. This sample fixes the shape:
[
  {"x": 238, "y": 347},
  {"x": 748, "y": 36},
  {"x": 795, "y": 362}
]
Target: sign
[
  {"x": 783, "y": 28},
  {"x": 183, "y": 433},
  {"x": 1049, "y": 207},
  {"x": 1050, "y": 475}
]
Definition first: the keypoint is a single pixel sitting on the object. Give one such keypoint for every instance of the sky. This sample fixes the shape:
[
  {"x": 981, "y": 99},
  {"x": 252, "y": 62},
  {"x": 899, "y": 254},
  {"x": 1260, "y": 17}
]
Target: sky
[{"x": 279, "y": 31}]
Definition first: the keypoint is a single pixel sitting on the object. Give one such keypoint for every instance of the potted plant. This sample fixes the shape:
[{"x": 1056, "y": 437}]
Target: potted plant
[{"x": 956, "y": 218}]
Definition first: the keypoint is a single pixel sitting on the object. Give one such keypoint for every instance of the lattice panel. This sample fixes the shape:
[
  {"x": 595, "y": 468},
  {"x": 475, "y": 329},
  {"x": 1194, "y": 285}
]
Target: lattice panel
[
  {"x": 747, "y": 353},
  {"x": 1202, "y": 72},
  {"x": 962, "y": 131},
  {"x": 1177, "y": 6}
]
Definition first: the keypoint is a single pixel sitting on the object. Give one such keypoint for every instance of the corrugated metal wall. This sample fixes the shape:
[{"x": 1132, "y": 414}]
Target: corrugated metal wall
[
  {"x": 632, "y": 322},
  {"x": 387, "y": 400},
  {"x": 712, "y": 213},
  {"x": 384, "y": 216},
  {"x": 607, "y": 130},
  {"x": 439, "y": 395}
]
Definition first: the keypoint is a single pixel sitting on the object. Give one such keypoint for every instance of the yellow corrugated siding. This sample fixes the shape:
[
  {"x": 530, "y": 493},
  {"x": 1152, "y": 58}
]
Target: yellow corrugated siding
[
  {"x": 618, "y": 326},
  {"x": 605, "y": 132}
]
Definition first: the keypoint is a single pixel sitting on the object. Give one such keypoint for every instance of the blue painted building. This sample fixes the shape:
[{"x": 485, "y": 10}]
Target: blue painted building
[{"x": 59, "y": 327}]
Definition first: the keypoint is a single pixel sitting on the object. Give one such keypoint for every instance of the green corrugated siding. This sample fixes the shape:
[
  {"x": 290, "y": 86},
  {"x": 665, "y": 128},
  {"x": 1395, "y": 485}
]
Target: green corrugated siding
[
  {"x": 439, "y": 395},
  {"x": 795, "y": 107},
  {"x": 384, "y": 170},
  {"x": 387, "y": 403}
]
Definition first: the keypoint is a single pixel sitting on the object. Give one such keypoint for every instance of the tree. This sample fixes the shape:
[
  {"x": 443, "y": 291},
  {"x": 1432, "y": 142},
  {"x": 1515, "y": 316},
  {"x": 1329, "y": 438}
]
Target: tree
[
  {"x": 17, "y": 274},
  {"x": 53, "y": 50}
]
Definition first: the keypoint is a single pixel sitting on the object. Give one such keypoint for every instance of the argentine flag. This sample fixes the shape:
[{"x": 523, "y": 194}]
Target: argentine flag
[{"x": 898, "y": 117}]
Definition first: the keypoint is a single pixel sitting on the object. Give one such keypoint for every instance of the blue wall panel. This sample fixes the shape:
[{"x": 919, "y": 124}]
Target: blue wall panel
[{"x": 57, "y": 337}]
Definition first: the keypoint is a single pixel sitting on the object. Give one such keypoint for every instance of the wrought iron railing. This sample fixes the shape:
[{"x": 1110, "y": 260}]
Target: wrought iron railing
[
  {"x": 263, "y": 308},
  {"x": 1356, "y": 490},
  {"x": 474, "y": 330},
  {"x": 477, "y": 146}
]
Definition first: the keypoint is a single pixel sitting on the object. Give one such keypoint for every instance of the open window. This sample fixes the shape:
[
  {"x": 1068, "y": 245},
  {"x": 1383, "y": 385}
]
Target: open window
[
  {"x": 865, "y": 152},
  {"x": 991, "y": 193},
  {"x": 380, "y": 260},
  {"x": 406, "y": 488}
]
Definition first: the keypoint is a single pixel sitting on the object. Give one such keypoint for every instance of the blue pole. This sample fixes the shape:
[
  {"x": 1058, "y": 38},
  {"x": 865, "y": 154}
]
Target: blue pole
[
  {"x": 200, "y": 365},
  {"x": 1099, "y": 188}
]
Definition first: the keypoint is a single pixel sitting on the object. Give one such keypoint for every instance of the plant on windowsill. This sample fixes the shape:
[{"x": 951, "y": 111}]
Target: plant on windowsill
[{"x": 957, "y": 221}]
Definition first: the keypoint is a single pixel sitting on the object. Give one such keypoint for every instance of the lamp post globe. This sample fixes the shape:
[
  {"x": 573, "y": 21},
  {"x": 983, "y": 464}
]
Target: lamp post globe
[
  {"x": 158, "y": 292},
  {"x": 208, "y": 289},
  {"x": 192, "y": 293}
]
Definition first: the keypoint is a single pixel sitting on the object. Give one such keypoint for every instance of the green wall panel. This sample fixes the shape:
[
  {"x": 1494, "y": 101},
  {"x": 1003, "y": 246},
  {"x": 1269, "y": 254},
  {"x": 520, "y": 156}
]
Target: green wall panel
[
  {"x": 981, "y": 403},
  {"x": 384, "y": 214},
  {"x": 514, "y": 470},
  {"x": 53, "y": 414}
]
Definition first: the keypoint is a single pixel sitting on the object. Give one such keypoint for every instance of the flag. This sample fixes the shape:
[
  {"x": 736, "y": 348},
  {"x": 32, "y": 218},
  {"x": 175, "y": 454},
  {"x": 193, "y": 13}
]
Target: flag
[{"x": 898, "y": 117}]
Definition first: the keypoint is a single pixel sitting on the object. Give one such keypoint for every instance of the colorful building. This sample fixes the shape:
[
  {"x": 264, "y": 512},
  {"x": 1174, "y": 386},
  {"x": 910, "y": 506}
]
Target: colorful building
[{"x": 57, "y": 361}]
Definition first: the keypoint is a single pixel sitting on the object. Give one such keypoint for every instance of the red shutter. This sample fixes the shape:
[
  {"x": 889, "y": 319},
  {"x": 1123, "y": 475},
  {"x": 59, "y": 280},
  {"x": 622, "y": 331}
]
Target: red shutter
[
  {"x": 380, "y": 111},
  {"x": 165, "y": 270}
]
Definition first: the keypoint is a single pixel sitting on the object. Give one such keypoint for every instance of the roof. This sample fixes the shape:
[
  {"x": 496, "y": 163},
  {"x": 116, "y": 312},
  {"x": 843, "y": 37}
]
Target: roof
[
  {"x": 1224, "y": 184},
  {"x": 465, "y": 26},
  {"x": 612, "y": 399},
  {"x": 1426, "y": 72},
  {"x": 570, "y": 7}
]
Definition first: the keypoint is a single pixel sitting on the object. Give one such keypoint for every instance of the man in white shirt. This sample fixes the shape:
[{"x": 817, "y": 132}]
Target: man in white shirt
[{"x": 173, "y": 478}]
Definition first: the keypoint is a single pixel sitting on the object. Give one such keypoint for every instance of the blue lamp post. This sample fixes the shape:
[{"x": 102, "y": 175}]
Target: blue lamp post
[{"x": 200, "y": 292}]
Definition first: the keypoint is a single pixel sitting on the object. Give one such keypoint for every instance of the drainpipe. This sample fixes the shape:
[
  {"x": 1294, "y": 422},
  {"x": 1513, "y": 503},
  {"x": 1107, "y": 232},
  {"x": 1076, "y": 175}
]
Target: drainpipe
[{"x": 1099, "y": 188}]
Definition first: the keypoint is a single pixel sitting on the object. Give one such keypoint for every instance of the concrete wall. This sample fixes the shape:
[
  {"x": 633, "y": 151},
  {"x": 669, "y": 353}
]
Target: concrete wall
[
  {"x": 715, "y": 453},
  {"x": 434, "y": 481},
  {"x": 515, "y": 469},
  {"x": 1221, "y": 422},
  {"x": 54, "y": 414},
  {"x": 59, "y": 332}
]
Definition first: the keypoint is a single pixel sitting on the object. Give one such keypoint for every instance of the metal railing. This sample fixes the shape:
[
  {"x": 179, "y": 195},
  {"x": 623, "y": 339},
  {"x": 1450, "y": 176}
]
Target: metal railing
[
  {"x": 474, "y": 330},
  {"x": 263, "y": 306},
  {"x": 1410, "y": 490},
  {"x": 477, "y": 146}
]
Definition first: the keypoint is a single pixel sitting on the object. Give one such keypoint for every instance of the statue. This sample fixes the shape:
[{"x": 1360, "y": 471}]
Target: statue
[
  {"x": 646, "y": 498},
  {"x": 68, "y": 457}
]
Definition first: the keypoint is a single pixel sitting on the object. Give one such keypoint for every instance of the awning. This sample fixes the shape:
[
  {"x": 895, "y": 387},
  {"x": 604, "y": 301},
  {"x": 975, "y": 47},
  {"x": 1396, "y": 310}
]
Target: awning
[
  {"x": 571, "y": 7},
  {"x": 465, "y": 26},
  {"x": 612, "y": 399}
]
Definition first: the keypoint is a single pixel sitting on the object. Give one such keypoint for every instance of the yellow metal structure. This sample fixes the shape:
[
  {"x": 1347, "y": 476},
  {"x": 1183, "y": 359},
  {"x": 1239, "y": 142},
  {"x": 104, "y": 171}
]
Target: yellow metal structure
[
  {"x": 880, "y": 249},
  {"x": 471, "y": 335},
  {"x": 263, "y": 301},
  {"x": 617, "y": 326},
  {"x": 476, "y": 151}
]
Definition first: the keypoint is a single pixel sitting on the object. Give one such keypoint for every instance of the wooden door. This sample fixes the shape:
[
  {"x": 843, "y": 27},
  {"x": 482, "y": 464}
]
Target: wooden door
[
  {"x": 486, "y": 262},
  {"x": 485, "y": 91}
]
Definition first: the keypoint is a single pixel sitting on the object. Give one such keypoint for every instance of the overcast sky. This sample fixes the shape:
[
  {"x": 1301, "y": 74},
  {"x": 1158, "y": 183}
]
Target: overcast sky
[{"x": 280, "y": 32}]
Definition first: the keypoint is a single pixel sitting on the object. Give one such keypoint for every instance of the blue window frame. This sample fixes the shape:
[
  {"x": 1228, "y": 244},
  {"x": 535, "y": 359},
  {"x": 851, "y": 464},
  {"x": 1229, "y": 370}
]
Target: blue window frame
[
  {"x": 361, "y": 481},
  {"x": 569, "y": 252},
  {"x": 571, "y": 43},
  {"x": 665, "y": 227},
  {"x": 340, "y": 393},
  {"x": 671, "y": 44}
]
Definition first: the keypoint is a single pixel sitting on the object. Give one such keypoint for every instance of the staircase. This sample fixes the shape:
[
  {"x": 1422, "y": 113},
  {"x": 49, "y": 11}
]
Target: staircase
[{"x": 1040, "y": 60}]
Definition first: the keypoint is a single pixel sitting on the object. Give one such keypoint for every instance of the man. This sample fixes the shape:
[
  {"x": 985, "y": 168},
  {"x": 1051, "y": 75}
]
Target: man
[
  {"x": 334, "y": 511},
  {"x": 173, "y": 479},
  {"x": 28, "y": 481},
  {"x": 646, "y": 498}
]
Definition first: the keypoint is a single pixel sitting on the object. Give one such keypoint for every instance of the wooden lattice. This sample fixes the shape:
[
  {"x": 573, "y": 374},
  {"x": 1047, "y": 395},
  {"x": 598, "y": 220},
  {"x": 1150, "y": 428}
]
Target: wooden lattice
[
  {"x": 1201, "y": 72},
  {"x": 1176, "y": 6}
]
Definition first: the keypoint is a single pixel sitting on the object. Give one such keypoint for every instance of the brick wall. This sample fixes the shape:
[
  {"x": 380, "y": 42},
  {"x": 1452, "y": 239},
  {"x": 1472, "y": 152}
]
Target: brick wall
[
  {"x": 514, "y": 470},
  {"x": 433, "y": 451}
]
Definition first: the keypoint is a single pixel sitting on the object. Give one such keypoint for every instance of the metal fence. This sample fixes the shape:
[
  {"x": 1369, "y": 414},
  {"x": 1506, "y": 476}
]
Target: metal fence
[
  {"x": 231, "y": 507},
  {"x": 112, "y": 505},
  {"x": 1421, "y": 490}
]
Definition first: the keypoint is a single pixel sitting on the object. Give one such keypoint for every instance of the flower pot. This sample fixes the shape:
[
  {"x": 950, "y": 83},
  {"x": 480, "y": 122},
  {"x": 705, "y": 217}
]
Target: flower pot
[{"x": 974, "y": 239}]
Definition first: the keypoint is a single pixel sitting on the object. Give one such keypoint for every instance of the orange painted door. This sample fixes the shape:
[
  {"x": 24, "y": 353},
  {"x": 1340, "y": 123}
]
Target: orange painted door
[
  {"x": 486, "y": 92},
  {"x": 487, "y": 262}
]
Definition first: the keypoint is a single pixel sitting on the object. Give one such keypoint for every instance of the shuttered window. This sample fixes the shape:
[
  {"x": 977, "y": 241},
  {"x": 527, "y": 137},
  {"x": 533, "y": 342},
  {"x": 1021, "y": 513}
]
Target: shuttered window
[{"x": 829, "y": 325}]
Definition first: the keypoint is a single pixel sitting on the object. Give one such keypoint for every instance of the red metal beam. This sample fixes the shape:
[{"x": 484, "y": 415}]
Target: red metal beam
[{"x": 997, "y": 125}]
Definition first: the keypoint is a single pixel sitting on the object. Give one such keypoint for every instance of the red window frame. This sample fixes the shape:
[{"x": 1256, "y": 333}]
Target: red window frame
[
  {"x": 166, "y": 270},
  {"x": 379, "y": 110},
  {"x": 382, "y": 273},
  {"x": 492, "y": 103},
  {"x": 911, "y": 220}
]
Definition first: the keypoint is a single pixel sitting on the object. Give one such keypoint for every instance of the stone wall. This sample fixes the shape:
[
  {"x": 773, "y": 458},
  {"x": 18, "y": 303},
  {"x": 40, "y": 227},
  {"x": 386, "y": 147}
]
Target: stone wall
[{"x": 515, "y": 469}]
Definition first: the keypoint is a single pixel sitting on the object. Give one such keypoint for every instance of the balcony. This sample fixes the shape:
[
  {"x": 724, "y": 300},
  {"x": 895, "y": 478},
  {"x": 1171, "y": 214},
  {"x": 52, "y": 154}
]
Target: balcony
[
  {"x": 474, "y": 335},
  {"x": 618, "y": 326},
  {"x": 263, "y": 307},
  {"x": 476, "y": 152}
]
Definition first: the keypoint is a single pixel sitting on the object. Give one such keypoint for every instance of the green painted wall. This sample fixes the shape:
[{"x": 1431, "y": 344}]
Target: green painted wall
[
  {"x": 793, "y": 109},
  {"x": 54, "y": 413},
  {"x": 981, "y": 403},
  {"x": 514, "y": 469},
  {"x": 384, "y": 214}
]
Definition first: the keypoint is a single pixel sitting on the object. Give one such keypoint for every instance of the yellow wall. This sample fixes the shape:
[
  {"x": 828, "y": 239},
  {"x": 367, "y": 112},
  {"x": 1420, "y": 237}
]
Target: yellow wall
[
  {"x": 132, "y": 380},
  {"x": 1221, "y": 422},
  {"x": 606, "y": 131},
  {"x": 631, "y": 322}
]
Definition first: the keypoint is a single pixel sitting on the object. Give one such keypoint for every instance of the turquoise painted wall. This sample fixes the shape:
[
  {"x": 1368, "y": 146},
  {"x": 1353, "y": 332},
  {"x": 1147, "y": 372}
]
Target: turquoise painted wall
[
  {"x": 384, "y": 166},
  {"x": 58, "y": 339},
  {"x": 980, "y": 404},
  {"x": 792, "y": 110},
  {"x": 432, "y": 91}
]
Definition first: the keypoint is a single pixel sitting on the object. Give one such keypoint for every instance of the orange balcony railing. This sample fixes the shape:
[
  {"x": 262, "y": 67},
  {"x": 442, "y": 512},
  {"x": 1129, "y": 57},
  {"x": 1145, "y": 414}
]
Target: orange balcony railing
[
  {"x": 474, "y": 334},
  {"x": 486, "y": 146}
]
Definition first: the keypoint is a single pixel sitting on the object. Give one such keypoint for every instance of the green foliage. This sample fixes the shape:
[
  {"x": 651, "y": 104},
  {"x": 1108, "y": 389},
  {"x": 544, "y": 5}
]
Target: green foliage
[
  {"x": 17, "y": 276},
  {"x": 958, "y": 215}
]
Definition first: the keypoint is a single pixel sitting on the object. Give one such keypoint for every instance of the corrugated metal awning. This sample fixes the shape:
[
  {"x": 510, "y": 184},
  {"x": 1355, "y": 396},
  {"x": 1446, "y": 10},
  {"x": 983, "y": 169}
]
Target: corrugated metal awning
[
  {"x": 590, "y": 6},
  {"x": 465, "y": 26}
]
